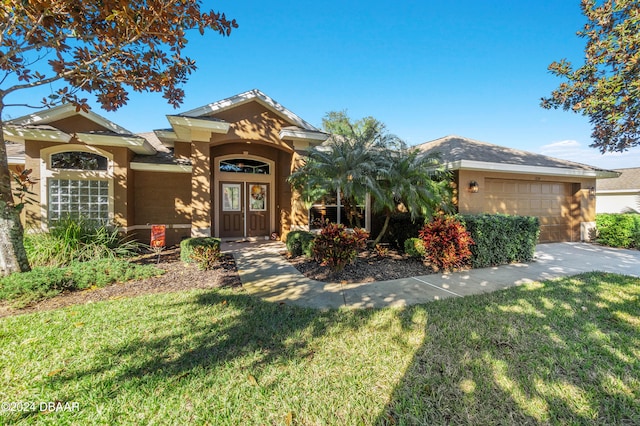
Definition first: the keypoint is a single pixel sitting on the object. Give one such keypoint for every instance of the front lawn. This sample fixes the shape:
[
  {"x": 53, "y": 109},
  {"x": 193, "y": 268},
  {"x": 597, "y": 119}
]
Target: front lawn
[{"x": 565, "y": 351}]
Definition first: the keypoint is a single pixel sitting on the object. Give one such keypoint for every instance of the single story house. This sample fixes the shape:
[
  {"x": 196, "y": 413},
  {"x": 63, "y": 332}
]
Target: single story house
[
  {"x": 495, "y": 179},
  {"x": 620, "y": 195},
  {"x": 221, "y": 170}
]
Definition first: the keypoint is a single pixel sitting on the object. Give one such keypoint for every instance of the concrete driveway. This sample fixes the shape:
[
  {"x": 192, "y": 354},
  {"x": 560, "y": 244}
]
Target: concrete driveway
[{"x": 266, "y": 274}]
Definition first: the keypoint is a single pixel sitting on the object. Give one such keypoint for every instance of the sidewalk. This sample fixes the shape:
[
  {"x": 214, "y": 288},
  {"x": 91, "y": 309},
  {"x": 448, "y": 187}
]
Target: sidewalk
[{"x": 267, "y": 274}]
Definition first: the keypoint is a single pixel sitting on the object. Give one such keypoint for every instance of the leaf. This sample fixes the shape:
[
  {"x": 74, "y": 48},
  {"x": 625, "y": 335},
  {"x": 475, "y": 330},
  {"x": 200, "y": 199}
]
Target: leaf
[
  {"x": 54, "y": 372},
  {"x": 252, "y": 380},
  {"x": 288, "y": 420}
]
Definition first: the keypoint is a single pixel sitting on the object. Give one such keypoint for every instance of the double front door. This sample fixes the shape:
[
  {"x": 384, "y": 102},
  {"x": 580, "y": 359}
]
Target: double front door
[{"x": 244, "y": 209}]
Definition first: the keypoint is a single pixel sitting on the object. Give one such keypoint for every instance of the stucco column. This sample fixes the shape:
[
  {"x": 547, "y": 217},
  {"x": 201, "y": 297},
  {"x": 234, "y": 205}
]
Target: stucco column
[{"x": 200, "y": 190}]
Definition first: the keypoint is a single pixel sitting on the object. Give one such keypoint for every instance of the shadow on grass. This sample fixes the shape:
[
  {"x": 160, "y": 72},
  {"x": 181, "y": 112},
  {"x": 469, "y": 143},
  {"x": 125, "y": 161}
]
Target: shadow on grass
[
  {"x": 199, "y": 335},
  {"x": 566, "y": 351}
]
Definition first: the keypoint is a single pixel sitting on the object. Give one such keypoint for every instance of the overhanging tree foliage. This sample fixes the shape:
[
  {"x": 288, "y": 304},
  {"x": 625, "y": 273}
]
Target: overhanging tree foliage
[
  {"x": 607, "y": 87},
  {"x": 100, "y": 47}
]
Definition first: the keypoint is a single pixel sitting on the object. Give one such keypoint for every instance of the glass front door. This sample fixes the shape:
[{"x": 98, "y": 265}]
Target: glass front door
[{"x": 244, "y": 209}]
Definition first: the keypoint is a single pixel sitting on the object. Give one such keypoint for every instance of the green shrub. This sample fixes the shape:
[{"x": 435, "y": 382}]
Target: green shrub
[
  {"x": 336, "y": 246},
  {"x": 76, "y": 239},
  {"x": 414, "y": 247},
  {"x": 618, "y": 229},
  {"x": 501, "y": 239},
  {"x": 446, "y": 243},
  {"x": 188, "y": 245},
  {"x": 299, "y": 243},
  {"x": 47, "y": 281},
  {"x": 206, "y": 257},
  {"x": 402, "y": 227}
]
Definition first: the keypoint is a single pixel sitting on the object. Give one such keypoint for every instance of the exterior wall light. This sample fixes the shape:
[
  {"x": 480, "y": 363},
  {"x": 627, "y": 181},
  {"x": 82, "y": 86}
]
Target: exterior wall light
[
  {"x": 592, "y": 192},
  {"x": 473, "y": 186}
]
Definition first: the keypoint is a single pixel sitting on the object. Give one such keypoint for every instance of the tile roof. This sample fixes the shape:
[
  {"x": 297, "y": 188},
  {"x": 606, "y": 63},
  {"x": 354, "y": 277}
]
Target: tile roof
[
  {"x": 629, "y": 179},
  {"x": 456, "y": 148}
]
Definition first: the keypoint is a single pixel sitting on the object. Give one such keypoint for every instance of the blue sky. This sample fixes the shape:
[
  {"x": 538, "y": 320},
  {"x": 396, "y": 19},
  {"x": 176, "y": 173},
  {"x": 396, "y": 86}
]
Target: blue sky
[{"x": 425, "y": 68}]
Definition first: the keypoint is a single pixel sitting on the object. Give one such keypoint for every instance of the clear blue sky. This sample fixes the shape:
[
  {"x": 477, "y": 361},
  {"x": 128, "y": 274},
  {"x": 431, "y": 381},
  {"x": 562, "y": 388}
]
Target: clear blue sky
[{"x": 425, "y": 68}]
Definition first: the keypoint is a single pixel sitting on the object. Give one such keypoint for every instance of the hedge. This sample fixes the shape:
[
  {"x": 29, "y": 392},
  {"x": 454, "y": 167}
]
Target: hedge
[
  {"x": 618, "y": 229},
  {"x": 299, "y": 243},
  {"x": 187, "y": 246},
  {"x": 501, "y": 239}
]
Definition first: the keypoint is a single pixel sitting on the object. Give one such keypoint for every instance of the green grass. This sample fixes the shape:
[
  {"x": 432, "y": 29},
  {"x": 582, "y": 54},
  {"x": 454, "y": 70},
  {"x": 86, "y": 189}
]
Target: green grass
[
  {"x": 44, "y": 282},
  {"x": 563, "y": 351}
]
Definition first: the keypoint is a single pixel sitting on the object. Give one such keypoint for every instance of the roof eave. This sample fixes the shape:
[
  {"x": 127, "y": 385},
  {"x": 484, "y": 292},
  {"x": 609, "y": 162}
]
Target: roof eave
[
  {"x": 134, "y": 143},
  {"x": 184, "y": 126},
  {"x": 20, "y": 135},
  {"x": 527, "y": 169},
  {"x": 166, "y": 168},
  {"x": 167, "y": 137},
  {"x": 15, "y": 160}
]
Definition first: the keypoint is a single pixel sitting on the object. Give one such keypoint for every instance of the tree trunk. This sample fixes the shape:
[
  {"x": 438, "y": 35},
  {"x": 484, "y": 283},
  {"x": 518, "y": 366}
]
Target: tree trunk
[
  {"x": 13, "y": 257},
  {"x": 383, "y": 231}
]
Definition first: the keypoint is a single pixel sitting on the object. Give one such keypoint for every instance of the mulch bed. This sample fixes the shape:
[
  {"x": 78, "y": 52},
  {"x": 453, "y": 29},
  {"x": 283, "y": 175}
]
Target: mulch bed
[
  {"x": 179, "y": 276},
  {"x": 368, "y": 267}
]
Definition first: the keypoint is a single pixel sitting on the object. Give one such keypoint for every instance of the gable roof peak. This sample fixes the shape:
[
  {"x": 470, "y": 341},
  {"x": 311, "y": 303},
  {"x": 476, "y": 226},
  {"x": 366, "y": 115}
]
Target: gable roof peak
[
  {"x": 249, "y": 96},
  {"x": 60, "y": 112}
]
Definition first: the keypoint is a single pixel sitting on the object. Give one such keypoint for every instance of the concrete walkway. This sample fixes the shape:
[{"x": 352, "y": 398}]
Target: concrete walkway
[{"x": 267, "y": 274}]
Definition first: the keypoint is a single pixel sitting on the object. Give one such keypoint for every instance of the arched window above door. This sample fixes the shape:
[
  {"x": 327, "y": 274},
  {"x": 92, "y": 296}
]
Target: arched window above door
[{"x": 244, "y": 165}]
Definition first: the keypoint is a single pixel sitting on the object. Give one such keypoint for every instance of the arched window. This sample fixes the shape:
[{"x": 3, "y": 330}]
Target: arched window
[
  {"x": 78, "y": 160},
  {"x": 244, "y": 165}
]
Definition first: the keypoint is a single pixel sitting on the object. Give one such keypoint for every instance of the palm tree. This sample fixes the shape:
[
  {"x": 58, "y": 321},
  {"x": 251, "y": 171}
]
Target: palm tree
[
  {"x": 348, "y": 166},
  {"x": 415, "y": 181},
  {"x": 363, "y": 159}
]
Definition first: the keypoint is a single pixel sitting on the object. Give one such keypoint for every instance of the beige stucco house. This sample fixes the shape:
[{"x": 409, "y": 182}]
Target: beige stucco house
[
  {"x": 620, "y": 195},
  {"x": 221, "y": 170},
  {"x": 496, "y": 179}
]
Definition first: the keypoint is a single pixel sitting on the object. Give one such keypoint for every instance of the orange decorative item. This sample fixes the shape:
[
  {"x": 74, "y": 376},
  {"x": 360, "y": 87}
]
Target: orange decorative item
[{"x": 158, "y": 236}]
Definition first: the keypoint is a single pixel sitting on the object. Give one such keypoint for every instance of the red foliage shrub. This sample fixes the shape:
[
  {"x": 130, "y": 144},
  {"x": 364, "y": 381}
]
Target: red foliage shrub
[
  {"x": 446, "y": 243},
  {"x": 336, "y": 246}
]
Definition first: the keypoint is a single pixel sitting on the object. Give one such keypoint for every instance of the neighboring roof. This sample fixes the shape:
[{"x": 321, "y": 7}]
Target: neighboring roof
[
  {"x": 251, "y": 95},
  {"x": 462, "y": 153},
  {"x": 15, "y": 153},
  {"x": 629, "y": 180}
]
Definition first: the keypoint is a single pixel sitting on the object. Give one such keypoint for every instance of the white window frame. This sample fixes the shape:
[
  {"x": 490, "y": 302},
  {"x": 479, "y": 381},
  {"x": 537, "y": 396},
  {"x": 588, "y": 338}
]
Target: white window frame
[
  {"x": 47, "y": 172},
  {"x": 338, "y": 206}
]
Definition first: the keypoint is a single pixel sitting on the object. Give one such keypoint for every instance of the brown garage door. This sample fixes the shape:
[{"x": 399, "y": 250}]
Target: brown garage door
[{"x": 551, "y": 202}]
